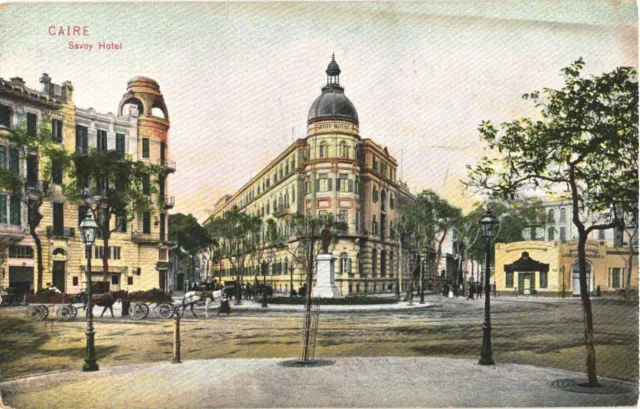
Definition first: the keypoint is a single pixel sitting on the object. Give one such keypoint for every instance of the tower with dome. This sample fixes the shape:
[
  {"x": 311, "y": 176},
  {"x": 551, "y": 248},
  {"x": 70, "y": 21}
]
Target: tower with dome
[{"x": 332, "y": 170}]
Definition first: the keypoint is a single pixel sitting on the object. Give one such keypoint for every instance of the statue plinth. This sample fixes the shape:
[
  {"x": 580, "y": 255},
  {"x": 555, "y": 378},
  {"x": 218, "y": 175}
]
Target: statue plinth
[{"x": 325, "y": 278}]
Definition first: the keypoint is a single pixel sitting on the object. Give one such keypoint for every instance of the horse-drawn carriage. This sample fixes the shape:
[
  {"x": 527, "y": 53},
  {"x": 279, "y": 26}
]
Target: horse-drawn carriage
[
  {"x": 143, "y": 302},
  {"x": 60, "y": 304}
]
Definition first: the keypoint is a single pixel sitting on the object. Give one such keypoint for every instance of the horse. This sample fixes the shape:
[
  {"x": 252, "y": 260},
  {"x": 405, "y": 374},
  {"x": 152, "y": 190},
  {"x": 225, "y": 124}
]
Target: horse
[
  {"x": 106, "y": 300},
  {"x": 193, "y": 297}
]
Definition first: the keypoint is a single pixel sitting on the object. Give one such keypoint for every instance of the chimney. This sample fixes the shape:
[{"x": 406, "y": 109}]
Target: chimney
[
  {"x": 17, "y": 81},
  {"x": 45, "y": 80}
]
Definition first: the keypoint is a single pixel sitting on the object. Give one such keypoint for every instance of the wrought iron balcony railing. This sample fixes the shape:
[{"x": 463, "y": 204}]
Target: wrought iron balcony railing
[
  {"x": 167, "y": 202},
  {"x": 65, "y": 232},
  {"x": 169, "y": 165}
]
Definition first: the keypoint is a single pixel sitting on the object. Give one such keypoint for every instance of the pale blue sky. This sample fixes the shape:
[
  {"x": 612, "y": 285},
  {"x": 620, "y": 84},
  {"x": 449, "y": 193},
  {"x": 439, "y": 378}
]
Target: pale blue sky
[{"x": 237, "y": 77}]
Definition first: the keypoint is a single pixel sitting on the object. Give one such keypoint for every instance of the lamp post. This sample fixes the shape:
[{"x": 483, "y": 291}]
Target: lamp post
[
  {"x": 89, "y": 228},
  {"x": 489, "y": 225}
]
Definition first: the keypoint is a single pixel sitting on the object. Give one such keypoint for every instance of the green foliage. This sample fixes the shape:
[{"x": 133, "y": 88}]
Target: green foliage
[
  {"x": 113, "y": 183},
  {"x": 185, "y": 231},
  {"x": 588, "y": 134}
]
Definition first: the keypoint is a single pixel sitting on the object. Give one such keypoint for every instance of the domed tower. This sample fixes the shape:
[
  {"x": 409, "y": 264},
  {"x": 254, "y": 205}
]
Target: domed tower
[
  {"x": 332, "y": 170},
  {"x": 145, "y": 101}
]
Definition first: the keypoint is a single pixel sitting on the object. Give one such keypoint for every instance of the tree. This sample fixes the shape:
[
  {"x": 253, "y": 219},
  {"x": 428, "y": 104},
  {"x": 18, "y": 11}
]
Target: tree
[
  {"x": 425, "y": 224},
  {"x": 45, "y": 159},
  {"x": 584, "y": 146},
  {"x": 236, "y": 233},
  {"x": 188, "y": 234},
  {"x": 111, "y": 184}
]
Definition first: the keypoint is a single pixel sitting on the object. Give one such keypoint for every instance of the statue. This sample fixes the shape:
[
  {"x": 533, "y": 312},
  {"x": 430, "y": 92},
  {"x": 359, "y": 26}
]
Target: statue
[{"x": 325, "y": 236}]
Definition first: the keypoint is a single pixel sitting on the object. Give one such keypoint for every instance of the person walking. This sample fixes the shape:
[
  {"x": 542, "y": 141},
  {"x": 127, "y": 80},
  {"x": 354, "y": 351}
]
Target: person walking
[{"x": 470, "y": 286}]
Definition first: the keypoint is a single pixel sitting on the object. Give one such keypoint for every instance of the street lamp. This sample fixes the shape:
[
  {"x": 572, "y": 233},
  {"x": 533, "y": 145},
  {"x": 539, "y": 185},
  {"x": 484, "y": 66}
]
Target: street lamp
[
  {"x": 489, "y": 226},
  {"x": 89, "y": 228}
]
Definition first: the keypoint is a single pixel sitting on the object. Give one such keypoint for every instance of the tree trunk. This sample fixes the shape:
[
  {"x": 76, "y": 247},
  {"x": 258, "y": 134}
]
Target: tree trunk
[
  {"x": 40, "y": 264},
  {"x": 630, "y": 261},
  {"x": 588, "y": 315},
  {"x": 105, "y": 256}
]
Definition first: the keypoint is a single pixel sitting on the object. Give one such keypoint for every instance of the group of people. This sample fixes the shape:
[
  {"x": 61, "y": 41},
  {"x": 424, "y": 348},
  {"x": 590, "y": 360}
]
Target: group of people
[{"x": 476, "y": 289}]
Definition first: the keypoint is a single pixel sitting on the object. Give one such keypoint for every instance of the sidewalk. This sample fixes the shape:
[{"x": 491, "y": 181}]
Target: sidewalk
[
  {"x": 250, "y": 305},
  {"x": 347, "y": 382}
]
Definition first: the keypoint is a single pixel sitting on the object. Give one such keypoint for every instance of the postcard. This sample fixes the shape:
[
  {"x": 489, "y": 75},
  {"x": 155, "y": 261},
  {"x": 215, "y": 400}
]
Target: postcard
[{"x": 319, "y": 204}]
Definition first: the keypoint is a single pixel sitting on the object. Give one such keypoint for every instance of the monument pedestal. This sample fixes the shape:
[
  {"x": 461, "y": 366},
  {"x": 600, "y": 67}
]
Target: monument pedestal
[{"x": 325, "y": 278}]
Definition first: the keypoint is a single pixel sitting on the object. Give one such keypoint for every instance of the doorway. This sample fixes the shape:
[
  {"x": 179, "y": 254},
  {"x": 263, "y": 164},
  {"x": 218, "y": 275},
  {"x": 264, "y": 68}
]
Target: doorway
[
  {"x": 58, "y": 279},
  {"x": 526, "y": 283}
]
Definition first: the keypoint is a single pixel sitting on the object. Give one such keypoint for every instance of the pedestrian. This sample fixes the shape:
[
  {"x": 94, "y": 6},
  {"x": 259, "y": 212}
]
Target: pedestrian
[
  {"x": 224, "y": 305},
  {"x": 494, "y": 290},
  {"x": 471, "y": 291},
  {"x": 479, "y": 291}
]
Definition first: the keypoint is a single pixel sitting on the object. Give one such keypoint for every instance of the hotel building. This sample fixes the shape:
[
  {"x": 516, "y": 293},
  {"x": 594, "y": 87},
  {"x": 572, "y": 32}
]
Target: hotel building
[{"x": 333, "y": 170}]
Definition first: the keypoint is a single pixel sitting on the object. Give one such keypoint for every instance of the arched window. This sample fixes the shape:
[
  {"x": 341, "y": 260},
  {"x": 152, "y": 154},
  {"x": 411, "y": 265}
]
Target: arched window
[
  {"x": 323, "y": 150},
  {"x": 374, "y": 262}
]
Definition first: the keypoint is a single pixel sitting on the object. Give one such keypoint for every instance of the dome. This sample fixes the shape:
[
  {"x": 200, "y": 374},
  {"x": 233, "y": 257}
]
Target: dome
[
  {"x": 143, "y": 82},
  {"x": 332, "y": 103}
]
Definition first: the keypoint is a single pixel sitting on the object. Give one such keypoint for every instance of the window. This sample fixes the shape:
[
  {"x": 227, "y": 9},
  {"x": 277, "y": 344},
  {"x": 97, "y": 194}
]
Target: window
[
  {"x": 20, "y": 251},
  {"x": 32, "y": 170},
  {"x": 98, "y": 252},
  {"x": 130, "y": 280},
  {"x": 58, "y": 218},
  {"x": 146, "y": 223},
  {"x": 509, "y": 279},
  {"x": 163, "y": 254},
  {"x": 543, "y": 279},
  {"x": 102, "y": 140},
  {"x": 120, "y": 143},
  {"x": 563, "y": 233},
  {"x": 75, "y": 280},
  {"x": 32, "y": 124},
  {"x": 3, "y": 209},
  {"x": 323, "y": 183},
  {"x": 121, "y": 222},
  {"x": 374, "y": 226},
  {"x": 358, "y": 185},
  {"x": 344, "y": 150},
  {"x": 15, "y": 210},
  {"x": 343, "y": 216},
  {"x": 357, "y": 221},
  {"x": 563, "y": 215},
  {"x": 532, "y": 233},
  {"x": 323, "y": 150},
  {"x": 5, "y": 116},
  {"x": 392, "y": 203},
  {"x": 615, "y": 278},
  {"x": 115, "y": 279},
  {"x": 146, "y": 185},
  {"x": 163, "y": 218},
  {"x": 345, "y": 264},
  {"x": 375, "y": 195},
  {"x": 115, "y": 252},
  {"x": 3, "y": 157},
  {"x": 82, "y": 213},
  {"x": 145, "y": 147},
  {"x": 601, "y": 235},
  {"x": 550, "y": 233},
  {"x": 56, "y": 172},
  {"x": 14, "y": 161},
  {"x": 82, "y": 140},
  {"x": 56, "y": 130},
  {"x": 374, "y": 262},
  {"x": 550, "y": 217}
]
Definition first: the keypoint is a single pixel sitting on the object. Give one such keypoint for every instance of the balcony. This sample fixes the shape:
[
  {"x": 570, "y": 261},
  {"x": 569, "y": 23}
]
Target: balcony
[
  {"x": 139, "y": 237},
  {"x": 281, "y": 212},
  {"x": 64, "y": 233},
  {"x": 11, "y": 233},
  {"x": 166, "y": 202},
  {"x": 169, "y": 165}
]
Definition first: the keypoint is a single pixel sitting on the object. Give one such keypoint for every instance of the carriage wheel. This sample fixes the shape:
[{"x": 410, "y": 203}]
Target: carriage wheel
[
  {"x": 65, "y": 313},
  {"x": 145, "y": 307},
  {"x": 165, "y": 310},
  {"x": 34, "y": 312},
  {"x": 136, "y": 311},
  {"x": 74, "y": 312},
  {"x": 44, "y": 312}
]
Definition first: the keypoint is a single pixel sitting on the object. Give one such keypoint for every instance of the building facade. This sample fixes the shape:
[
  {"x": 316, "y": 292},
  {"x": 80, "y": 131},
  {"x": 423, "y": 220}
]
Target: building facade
[
  {"x": 551, "y": 268},
  {"x": 333, "y": 170},
  {"x": 138, "y": 252}
]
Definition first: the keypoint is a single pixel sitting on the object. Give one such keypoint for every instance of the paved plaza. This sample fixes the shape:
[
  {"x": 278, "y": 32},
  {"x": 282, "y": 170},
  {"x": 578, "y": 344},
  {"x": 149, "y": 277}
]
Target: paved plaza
[{"x": 346, "y": 382}]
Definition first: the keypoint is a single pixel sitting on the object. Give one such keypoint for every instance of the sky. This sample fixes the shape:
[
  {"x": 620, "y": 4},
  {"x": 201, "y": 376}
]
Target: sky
[{"x": 239, "y": 78}]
